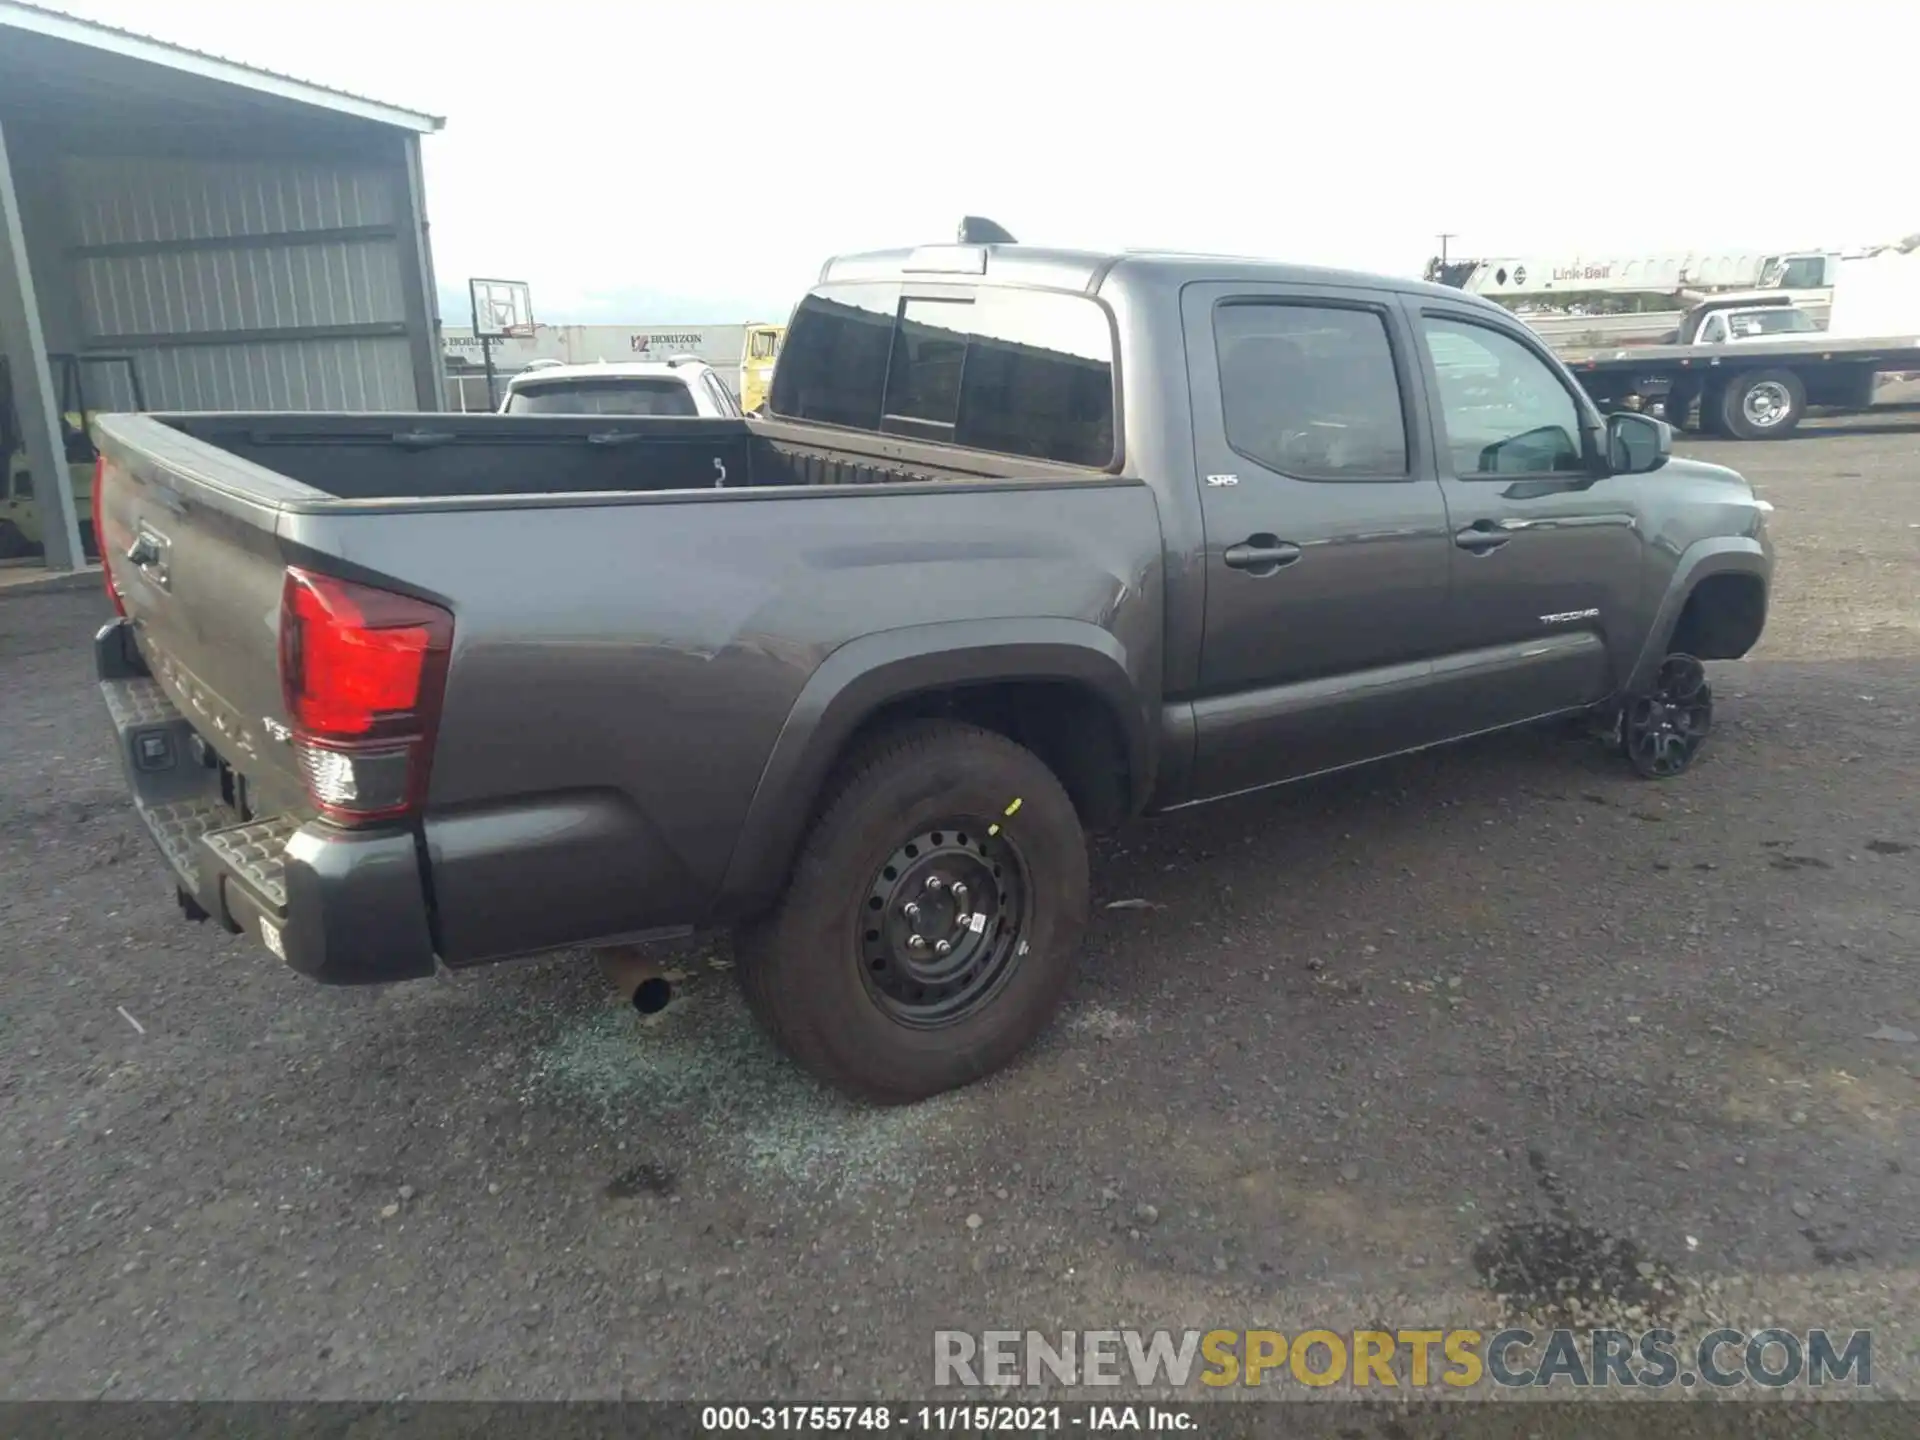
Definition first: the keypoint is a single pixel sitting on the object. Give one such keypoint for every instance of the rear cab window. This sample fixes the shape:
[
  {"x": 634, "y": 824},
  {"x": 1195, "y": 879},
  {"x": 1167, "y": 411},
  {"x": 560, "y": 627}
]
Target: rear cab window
[
  {"x": 629, "y": 396},
  {"x": 1010, "y": 371}
]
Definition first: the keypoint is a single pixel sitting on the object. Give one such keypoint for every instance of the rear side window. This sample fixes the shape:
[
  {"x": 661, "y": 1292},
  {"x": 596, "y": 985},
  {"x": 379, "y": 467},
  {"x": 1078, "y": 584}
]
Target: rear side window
[
  {"x": 722, "y": 397},
  {"x": 604, "y": 397},
  {"x": 1016, "y": 372},
  {"x": 1310, "y": 391}
]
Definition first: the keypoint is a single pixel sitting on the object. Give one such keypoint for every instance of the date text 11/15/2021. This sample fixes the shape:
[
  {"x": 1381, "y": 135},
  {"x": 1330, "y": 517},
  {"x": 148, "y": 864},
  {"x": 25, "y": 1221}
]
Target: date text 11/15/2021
[{"x": 945, "y": 1419}]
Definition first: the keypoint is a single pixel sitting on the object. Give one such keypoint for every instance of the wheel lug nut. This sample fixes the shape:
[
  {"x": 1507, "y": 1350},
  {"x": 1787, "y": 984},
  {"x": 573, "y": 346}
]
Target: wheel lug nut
[
  {"x": 915, "y": 942},
  {"x": 941, "y": 947},
  {"x": 933, "y": 883},
  {"x": 912, "y": 911}
]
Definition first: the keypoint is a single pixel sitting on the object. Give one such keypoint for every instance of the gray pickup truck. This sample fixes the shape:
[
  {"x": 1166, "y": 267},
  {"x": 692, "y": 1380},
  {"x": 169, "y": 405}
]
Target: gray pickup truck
[{"x": 1032, "y": 541}]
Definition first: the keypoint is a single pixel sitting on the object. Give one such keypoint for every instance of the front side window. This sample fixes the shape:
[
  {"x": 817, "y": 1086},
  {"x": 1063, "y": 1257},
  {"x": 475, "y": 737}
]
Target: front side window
[
  {"x": 1310, "y": 391},
  {"x": 1714, "y": 331},
  {"x": 631, "y": 396},
  {"x": 762, "y": 344},
  {"x": 1802, "y": 272},
  {"x": 1504, "y": 410}
]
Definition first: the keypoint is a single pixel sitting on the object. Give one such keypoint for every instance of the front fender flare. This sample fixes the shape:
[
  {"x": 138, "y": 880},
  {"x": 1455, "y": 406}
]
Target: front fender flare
[
  {"x": 1718, "y": 555},
  {"x": 860, "y": 677}
]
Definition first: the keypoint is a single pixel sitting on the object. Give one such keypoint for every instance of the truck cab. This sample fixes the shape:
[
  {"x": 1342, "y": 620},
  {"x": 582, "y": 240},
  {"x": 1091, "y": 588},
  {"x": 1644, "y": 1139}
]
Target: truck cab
[
  {"x": 1750, "y": 325},
  {"x": 758, "y": 351}
]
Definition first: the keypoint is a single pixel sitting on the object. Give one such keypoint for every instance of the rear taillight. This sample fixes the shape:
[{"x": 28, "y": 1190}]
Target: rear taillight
[
  {"x": 100, "y": 533},
  {"x": 362, "y": 671}
]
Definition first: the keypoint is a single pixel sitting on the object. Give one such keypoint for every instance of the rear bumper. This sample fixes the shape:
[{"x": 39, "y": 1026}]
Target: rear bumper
[{"x": 346, "y": 907}]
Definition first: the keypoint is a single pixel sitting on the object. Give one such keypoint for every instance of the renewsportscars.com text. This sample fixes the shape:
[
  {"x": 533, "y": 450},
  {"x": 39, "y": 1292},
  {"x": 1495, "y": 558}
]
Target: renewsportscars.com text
[{"x": 1414, "y": 1359}]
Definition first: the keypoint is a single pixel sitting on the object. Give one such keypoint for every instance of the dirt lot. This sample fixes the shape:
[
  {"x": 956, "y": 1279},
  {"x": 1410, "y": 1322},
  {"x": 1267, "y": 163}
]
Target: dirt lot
[{"x": 1385, "y": 1047}]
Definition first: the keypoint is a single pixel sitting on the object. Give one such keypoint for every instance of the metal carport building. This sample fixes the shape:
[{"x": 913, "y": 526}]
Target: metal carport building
[{"x": 253, "y": 242}]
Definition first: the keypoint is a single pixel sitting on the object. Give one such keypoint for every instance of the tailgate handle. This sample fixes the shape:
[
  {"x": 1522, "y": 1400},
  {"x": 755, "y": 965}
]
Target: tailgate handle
[
  {"x": 423, "y": 439},
  {"x": 148, "y": 555}
]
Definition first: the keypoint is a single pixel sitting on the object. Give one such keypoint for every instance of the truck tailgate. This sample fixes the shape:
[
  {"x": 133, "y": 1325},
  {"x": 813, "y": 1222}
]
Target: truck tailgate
[
  {"x": 190, "y": 673},
  {"x": 199, "y": 573}
]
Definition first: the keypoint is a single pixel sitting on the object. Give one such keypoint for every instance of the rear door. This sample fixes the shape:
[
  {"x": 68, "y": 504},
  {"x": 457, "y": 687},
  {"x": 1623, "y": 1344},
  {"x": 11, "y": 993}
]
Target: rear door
[
  {"x": 1327, "y": 549},
  {"x": 1548, "y": 552}
]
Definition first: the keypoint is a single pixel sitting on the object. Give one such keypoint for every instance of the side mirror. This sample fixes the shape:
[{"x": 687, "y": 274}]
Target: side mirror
[{"x": 1637, "y": 444}]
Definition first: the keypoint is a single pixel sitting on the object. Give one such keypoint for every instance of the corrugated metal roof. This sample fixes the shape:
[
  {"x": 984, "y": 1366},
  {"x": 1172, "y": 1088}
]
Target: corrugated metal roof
[{"x": 58, "y": 25}]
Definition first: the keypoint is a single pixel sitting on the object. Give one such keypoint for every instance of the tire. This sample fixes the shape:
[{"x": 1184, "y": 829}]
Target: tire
[
  {"x": 1711, "y": 404},
  {"x": 1762, "y": 405},
  {"x": 808, "y": 967},
  {"x": 1662, "y": 730},
  {"x": 1676, "y": 409}
]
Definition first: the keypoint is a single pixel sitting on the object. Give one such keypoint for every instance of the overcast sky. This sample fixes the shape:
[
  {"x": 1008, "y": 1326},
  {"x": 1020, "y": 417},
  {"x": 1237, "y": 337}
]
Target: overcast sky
[{"x": 654, "y": 162}]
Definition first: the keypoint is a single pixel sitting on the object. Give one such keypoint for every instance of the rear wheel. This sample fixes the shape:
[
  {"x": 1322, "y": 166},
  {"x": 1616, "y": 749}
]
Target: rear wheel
[
  {"x": 1763, "y": 406},
  {"x": 1675, "y": 407},
  {"x": 928, "y": 933},
  {"x": 1711, "y": 405}
]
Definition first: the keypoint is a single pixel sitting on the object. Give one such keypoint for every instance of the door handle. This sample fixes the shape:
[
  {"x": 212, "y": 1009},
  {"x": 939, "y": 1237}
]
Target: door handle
[
  {"x": 1261, "y": 554},
  {"x": 1482, "y": 537}
]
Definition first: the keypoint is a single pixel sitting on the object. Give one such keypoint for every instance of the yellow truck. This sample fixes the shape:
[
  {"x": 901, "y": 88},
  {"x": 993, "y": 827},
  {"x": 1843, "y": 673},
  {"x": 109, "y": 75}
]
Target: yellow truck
[
  {"x": 21, "y": 529},
  {"x": 757, "y": 354}
]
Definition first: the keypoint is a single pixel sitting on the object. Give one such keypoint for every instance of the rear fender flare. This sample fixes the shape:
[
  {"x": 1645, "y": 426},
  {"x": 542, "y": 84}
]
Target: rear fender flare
[
  {"x": 1721, "y": 555},
  {"x": 862, "y": 676}
]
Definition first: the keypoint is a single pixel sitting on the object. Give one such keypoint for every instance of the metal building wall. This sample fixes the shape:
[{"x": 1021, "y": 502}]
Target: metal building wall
[{"x": 246, "y": 285}]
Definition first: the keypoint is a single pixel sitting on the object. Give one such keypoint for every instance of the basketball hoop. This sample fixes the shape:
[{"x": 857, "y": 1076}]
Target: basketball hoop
[{"x": 502, "y": 309}]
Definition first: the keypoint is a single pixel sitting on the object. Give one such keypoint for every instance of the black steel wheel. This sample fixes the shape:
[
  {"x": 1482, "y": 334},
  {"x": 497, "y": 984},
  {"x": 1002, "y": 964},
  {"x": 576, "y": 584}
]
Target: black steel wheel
[
  {"x": 944, "y": 922},
  {"x": 928, "y": 929},
  {"x": 1662, "y": 731}
]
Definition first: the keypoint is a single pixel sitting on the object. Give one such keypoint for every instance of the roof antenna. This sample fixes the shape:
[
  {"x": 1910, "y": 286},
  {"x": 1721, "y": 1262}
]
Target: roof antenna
[{"x": 977, "y": 230}]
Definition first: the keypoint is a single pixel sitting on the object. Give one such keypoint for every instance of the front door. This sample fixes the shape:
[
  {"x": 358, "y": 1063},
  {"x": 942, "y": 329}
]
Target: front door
[
  {"x": 1327, "y": 549},
  {"x": 1547, "y": 547}
]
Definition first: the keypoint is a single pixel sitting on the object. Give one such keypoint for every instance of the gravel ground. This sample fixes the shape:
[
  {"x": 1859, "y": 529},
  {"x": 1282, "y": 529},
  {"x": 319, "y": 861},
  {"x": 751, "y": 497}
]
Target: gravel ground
[{"x": 1407, "y": 1046}]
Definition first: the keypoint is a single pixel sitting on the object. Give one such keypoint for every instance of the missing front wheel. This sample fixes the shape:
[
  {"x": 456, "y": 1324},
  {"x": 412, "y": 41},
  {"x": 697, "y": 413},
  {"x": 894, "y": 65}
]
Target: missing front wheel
[{"x": 1661, "y": 729}]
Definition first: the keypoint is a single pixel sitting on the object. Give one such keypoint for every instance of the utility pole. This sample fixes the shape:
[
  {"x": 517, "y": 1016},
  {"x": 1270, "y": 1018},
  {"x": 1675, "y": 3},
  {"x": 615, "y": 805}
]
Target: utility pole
[{"x": 1445, "y": 236}]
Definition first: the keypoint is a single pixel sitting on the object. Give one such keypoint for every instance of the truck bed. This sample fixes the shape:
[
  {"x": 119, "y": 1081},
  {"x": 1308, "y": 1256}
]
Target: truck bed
[
  {"x": 411, "y": 457},
  {"x": 626, "y": 651}
]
